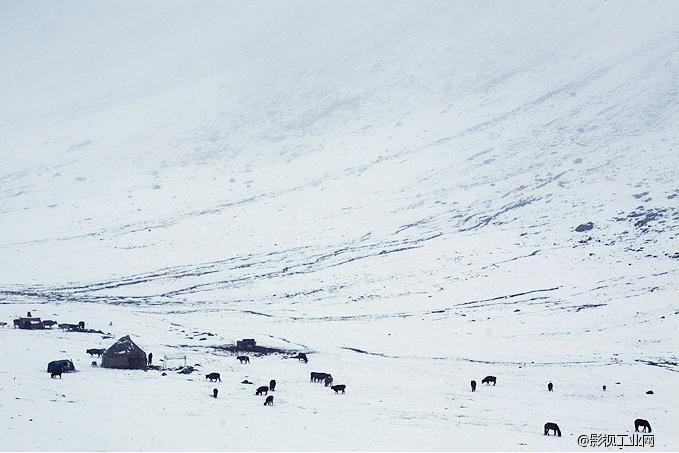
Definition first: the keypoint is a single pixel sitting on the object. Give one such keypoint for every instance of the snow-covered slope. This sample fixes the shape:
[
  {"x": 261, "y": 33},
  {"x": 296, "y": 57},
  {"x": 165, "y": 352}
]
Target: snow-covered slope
[{"x": 394, "y": 186}]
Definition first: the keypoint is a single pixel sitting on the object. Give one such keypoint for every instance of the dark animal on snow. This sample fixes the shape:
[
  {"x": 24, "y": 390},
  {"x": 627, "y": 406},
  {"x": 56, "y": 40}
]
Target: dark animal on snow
[
  {"x": 641, "y": 423},
  {"x": 3, "y": 324},
  {"x": 97, "y": 352},
  {"x": 488, "y": 379},
  {"x": 550, "y": 387},
  {"x": 48, "y": 323},
  {"x": 302, "y": 357},
  {"x": 650, "y": 392},
  {"x": 17, "y": 323},
  {"x": 263, "y": 389},
  {"x": 269, "y": 401},
  {"x": 604, "y": 388},
  {"x": 246, "y": 382},
  {"x": 318, "y": 377},
  {"x": 55, "y": 373},
  {"x": 328, "y": 380},
  {"x": 272, "y": 385},
  {"x": 243, "y": 359},
  {"x": 81, "y": 324},
  {"x": 339, "y": 388},
  {"x": 94, "y": 364},
  {"x": 473, "y": 386},
  {"x": 214, "y": 393},
  {"x": 213, "y": 377},
  {"x": 552, "y": 427}
]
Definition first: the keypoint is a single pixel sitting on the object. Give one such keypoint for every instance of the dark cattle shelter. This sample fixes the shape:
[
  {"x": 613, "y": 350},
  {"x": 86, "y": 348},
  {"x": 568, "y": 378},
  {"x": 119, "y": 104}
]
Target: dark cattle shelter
[
  {"x": 246, "y": 344},
  {"x": 124, "y": 354},
  {"x": 28, "y": 323},
  {"x": 64, "y": 366}
]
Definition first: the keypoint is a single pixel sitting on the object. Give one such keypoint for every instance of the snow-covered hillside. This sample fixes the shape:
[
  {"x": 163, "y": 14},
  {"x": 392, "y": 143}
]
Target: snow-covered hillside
[{"x": 393, "y": 187}]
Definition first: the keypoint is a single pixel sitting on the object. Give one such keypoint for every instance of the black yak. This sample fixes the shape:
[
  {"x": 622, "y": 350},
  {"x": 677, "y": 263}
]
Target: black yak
[
  {"x": 552, "y": 427},
  {"x": 318, "y": 377},
  {"x": 269, "y": 401},
  {"x": 262, "y": 390},
  {"x": 641, "y": 423},
  {"x": 339, "y": 388},
  {"x": 213, "y": 377},
  {"x": 488, "y": 379},
  {"x": 243, "y": 359}
]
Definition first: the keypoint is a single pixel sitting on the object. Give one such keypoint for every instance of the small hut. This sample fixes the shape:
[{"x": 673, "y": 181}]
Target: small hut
[
  {"x": 28, "y": 323},
  {"x": 246, "y": 344},
  {"x": 124, "y": 354}
]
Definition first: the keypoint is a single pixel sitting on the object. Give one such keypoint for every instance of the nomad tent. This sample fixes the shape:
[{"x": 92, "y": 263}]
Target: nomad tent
[{"x": 124, "y": 354}]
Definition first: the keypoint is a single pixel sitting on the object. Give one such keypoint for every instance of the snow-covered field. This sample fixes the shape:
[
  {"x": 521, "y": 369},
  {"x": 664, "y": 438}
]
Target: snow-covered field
[{"x": 393, "y": 187}]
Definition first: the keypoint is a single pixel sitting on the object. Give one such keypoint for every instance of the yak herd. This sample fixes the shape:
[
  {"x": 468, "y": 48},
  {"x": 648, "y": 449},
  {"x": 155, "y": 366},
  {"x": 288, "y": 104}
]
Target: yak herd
[
  {"x": 263, "y": 390},
  {"x": 553, "y": 427}
]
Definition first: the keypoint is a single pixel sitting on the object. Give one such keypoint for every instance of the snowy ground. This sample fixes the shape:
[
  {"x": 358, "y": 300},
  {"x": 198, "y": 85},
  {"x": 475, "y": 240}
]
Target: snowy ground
[{"x": 394, "y": 187}]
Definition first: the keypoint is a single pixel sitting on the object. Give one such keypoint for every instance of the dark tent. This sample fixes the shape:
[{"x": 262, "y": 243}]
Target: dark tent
[
  {"x": 65, "y": 366},
  {"x": 124, "y": 354}
]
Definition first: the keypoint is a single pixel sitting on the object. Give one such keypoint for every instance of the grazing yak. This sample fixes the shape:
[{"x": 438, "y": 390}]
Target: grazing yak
[
  {"x": 269, "y": 401},
  {"x": 339, "y": 388},
  {"x": 262, "y": 390},
  {"x": 641, "y": 423},
  {"x": 213, "y": 377},
  {"x": 302, "y": 357},
  {"x": 550, "y": 387},
  {"x": 272, "y": 385},
  {"x": 552, "y": 427},
  {"x": 243, "y": 359},
  {"x": 97, "y": 352},
  {"x": 49, "y": 323},
  {"x": 488, "y": 379},
  {"x": 328, "y": 380},
  {"x": 319, "y": 377},
  {"x": 55, "y": 373},
  {"x": 473, "y": 386}
]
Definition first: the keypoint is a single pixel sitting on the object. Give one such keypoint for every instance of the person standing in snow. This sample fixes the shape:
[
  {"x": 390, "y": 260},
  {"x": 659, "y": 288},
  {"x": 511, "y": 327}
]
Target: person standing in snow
[{"x": 150, "y": 358}]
